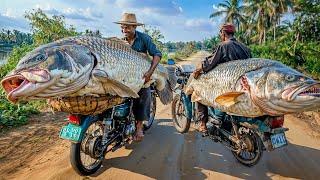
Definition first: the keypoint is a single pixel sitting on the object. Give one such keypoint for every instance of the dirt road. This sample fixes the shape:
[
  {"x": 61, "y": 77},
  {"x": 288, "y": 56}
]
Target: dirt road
[{"x": 163, "y": 154}]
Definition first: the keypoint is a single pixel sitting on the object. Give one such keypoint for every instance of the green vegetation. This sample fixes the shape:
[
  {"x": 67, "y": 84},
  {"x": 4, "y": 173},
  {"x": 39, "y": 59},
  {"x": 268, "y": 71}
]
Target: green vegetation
[
  {"x": 157, "y": 36},
  {"x": 46, "y": 29},
  {"x": 15, "y": 38}
]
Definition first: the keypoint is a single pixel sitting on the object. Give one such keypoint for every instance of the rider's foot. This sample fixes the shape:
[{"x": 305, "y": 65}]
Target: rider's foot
[
  {"x": 139, "y": 132},
  {"x": 203, "y": 128}
]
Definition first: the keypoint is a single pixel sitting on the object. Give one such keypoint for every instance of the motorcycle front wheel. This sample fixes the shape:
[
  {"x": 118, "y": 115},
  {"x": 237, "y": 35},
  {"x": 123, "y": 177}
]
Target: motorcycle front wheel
[
  {"x": 153, "y": 107},
  {"x": 86, "y": 156},
  {"x": 180, "y": 121}
]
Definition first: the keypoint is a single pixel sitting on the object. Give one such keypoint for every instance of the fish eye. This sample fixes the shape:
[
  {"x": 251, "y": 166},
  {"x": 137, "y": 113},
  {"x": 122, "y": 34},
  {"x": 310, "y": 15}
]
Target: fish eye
[
  {"x": 290, "y": 77},
  {"x": 40, "y": 57}
]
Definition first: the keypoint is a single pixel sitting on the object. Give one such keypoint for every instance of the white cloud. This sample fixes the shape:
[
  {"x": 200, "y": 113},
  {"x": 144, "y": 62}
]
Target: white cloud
[
  {"x": 86, "y": 14},
  {"x": 165, "y": 7},
  {"x": 216, "y": 8},
  {"x": 166, "y": 15},
  {"x": 9, "y": 13},
  {"x": 199, "y": 24}
]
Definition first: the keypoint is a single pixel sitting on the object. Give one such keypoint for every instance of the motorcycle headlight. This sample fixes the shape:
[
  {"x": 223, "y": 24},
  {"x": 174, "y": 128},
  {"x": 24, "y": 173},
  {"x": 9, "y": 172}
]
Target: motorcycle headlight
[{"x": 179, "y": 80}]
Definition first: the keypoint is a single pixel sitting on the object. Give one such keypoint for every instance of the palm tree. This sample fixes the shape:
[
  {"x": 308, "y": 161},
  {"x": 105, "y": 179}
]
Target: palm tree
[
  {"x": 261, "y": 12},
  {"x": 233, "y": 11},
  {"x": 267, "y": 14},
  {"x": 281, "y": 7}
]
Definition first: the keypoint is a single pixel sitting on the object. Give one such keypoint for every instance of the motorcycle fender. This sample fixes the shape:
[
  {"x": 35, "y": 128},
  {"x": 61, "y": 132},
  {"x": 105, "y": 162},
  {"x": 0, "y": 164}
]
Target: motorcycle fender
[{"x": 85, "y": 123}]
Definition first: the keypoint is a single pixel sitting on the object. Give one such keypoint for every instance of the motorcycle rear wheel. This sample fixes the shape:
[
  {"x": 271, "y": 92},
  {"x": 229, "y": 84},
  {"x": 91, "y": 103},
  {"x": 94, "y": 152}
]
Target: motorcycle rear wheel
[
  {"x": 255, "y": 152},
  {"x": 88, "y": 151},
  {"x": 180, "y": 121}
]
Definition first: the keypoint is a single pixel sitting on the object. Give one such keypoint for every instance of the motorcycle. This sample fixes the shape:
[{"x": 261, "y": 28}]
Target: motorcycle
[
  {"x": 247, "y": 138},
  {"x": 93, "y": 136}
]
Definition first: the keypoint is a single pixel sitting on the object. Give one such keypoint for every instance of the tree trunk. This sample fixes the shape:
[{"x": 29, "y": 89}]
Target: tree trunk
[
  {"x": 274, "y": 32},
  {"x": 264, "y": 35}
]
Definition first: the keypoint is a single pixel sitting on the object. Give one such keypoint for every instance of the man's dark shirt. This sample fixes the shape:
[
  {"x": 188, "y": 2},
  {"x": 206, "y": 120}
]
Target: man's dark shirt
[
  {"x": 143, "y": 43},
  {"x": 226, "y": 51}
]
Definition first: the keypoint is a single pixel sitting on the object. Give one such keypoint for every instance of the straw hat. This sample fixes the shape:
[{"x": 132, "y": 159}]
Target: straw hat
[{"x": 129, "y": 19}]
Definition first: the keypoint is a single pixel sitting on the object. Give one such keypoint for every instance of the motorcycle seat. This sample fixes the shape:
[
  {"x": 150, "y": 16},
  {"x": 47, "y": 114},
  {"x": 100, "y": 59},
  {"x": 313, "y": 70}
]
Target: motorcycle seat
[{"x": 187, "y": 68}]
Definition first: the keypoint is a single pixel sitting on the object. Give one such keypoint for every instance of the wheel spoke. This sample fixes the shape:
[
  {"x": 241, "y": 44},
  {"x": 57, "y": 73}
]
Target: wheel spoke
[{"x": 94, "y": 130}]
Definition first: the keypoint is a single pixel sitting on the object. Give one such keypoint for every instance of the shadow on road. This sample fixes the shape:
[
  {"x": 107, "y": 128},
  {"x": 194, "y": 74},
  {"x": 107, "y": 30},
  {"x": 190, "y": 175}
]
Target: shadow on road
[{"x": 169, "y": 155}]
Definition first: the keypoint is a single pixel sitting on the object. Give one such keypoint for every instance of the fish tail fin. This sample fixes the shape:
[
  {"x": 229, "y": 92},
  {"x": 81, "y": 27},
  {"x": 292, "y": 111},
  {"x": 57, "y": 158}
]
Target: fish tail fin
[{"x": 166, "y": 94}]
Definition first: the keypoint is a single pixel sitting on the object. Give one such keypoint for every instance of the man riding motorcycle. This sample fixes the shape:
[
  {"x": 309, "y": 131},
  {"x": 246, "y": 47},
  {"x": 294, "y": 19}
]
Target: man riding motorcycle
[
  {"x": 142, "y": 43},
  {"x": 228, "y": 50}
]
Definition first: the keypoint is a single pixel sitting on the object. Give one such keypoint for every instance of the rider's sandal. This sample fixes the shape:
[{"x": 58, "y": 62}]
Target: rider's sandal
[{"x": 204, "y": 131}]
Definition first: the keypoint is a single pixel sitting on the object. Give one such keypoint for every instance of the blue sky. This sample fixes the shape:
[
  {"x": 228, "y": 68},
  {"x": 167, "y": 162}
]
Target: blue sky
[{"x": 178, "y": 20}]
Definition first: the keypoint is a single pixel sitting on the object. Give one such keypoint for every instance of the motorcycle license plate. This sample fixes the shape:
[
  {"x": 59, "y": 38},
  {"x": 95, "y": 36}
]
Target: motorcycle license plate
[
  {"x": 71, "y": 132},
  {"x": 278, "y": 140}
]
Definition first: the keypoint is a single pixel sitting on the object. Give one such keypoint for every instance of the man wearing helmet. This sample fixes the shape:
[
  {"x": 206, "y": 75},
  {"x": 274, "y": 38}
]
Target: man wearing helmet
[{"x": 228, "y": 50}]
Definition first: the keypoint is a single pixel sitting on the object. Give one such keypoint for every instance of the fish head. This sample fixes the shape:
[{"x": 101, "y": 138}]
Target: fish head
[
  {"x": 48, "y": 71},
  {"x": 281, "y": 90}
]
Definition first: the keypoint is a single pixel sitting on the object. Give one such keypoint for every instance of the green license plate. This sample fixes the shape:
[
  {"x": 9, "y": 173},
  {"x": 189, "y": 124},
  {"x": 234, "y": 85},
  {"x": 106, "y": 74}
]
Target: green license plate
[{"x": 71, "y": 132}]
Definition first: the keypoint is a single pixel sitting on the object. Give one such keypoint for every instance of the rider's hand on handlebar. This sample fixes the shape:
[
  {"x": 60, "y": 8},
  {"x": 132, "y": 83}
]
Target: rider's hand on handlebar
[{"x": 197, "y": 73}]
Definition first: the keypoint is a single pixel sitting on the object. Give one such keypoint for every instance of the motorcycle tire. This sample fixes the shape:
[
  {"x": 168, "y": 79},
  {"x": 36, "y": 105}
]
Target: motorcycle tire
[
  {"x": 258, "y": 149},
  {"x": 181, "y": 124},
  {"x": 153, "y": 108},
  {"x": 75, "y": 158}
]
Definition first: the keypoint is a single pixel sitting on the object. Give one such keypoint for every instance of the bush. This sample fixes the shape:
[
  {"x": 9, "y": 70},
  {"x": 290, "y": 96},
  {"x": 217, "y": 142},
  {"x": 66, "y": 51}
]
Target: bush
[
  {"x": 14, "y": 115},
  {"x": 301, "y": 56}
]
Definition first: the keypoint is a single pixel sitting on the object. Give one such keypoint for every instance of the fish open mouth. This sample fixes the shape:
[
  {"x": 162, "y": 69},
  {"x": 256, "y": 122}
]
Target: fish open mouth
[
  {"x": 12, "y": 84},
  {"x": 25, "y": 83},
  {"x": 311, "y": 91}
]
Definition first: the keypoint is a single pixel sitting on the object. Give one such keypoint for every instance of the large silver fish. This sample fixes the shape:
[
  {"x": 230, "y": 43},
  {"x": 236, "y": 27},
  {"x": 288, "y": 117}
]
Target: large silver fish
[
  {"x": 255, "y": 87},
  {"x": 84, "y": 66}
]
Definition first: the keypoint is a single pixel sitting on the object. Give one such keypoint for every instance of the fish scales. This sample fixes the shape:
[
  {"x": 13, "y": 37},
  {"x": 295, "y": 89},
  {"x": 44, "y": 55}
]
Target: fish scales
[{"x": 267, "y": 86}]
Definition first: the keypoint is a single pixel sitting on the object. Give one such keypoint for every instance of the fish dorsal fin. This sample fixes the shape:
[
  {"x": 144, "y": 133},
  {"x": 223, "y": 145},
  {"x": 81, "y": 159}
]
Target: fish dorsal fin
[
  {"x": 228, "y": 99},
  {"x": 112, "y": 86},
  {"x": 117, "y": 43},
  {"x": 118, "y": 40}
]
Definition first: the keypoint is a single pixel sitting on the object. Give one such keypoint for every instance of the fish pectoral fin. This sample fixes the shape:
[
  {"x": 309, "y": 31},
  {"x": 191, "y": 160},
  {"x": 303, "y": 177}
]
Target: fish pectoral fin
[
  {"x": 228, "y": 99},
  {"x": 112, "y": 86},
  {"x": 122, "y": 90}
]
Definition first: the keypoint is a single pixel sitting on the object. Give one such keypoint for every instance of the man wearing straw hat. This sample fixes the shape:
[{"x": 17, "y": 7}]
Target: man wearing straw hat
[{"x": 142, "y": 43}]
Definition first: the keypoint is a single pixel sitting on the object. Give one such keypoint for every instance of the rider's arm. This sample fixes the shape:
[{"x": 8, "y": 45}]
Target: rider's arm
[
  {"x": 154, "y": 52},
  {"x": 213, "y": 60}
]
